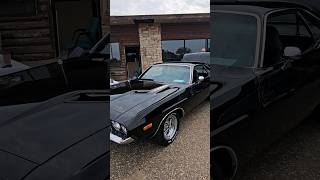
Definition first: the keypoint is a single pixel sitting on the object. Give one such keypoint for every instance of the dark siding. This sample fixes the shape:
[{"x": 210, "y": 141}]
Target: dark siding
[{"x": 29, "y": 38}]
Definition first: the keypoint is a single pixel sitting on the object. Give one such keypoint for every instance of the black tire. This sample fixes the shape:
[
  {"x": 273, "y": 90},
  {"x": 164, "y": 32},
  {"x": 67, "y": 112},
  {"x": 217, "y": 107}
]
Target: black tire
[
  {"x": 216, "y": 172},
  {"x": 160, "y": 137}
]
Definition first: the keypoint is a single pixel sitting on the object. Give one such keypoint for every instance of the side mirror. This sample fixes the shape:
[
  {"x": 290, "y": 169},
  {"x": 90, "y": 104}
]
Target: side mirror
[
  {"x": 201, "y": 78},
  {"x": 292, "y": 51}
]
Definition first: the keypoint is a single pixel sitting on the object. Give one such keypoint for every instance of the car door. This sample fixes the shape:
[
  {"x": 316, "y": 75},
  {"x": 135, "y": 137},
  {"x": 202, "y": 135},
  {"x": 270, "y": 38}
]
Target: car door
[
  {"x": 307, "y": 66},
  {"x": 276, "y": 77},
  {"x": 200, "y": 85}
]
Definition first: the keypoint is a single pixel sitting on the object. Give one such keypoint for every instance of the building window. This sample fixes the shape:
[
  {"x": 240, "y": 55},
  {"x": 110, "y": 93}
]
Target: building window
[
  {"x": 173, "y": 50},
  {"x": 115, "y": 52},
  {"x": 196, "y": 45},
  {"x": 18, "y": 8},
  {"x": 208, "y": 45}
]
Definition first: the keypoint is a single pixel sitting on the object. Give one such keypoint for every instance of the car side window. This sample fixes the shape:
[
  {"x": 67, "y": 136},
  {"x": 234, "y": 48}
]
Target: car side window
[
  {"x": 195, "y": 76},
  {"x": 285, "y": 31},
  {"x": 201, "y": 71},
  {"x": 313, "y": 23}
]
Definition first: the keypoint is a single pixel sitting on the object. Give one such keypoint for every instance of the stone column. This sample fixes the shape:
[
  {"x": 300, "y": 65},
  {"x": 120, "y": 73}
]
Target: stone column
[{"x": 150, "y": 44}]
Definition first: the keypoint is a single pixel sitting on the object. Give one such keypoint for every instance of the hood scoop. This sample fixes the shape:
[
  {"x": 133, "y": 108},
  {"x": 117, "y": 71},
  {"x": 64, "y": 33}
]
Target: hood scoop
[
  {"x": 153, "y": 91},
  {"x": 141, "y": 91},
  {"x": 159, "y": 89}
]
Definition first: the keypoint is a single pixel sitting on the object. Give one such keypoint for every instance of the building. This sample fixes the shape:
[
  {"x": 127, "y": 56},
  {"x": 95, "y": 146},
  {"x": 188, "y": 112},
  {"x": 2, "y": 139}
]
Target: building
[
  {"x": 140, "y": 41},
  {"x": 42, "y": 30}
]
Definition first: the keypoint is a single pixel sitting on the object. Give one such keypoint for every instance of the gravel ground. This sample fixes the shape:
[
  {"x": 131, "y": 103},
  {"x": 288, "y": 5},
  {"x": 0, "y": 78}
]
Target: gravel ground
[
  {"x": 295, "y": 156},
  {"x": 186, "y": 158}
]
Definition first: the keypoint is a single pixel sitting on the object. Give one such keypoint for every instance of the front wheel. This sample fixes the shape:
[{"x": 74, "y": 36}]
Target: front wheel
[{"x": 168, "y": 130}]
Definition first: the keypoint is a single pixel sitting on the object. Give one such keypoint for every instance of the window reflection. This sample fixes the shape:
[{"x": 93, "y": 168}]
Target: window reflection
[
  {"x": 115, "y": 51},
  {"x": 173, "y": 50},
  {"x": 196, "y": 45}
]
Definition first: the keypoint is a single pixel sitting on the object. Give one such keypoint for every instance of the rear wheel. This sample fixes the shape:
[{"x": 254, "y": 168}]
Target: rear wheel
[
  {"x": 168, "y": 129},
  {"x": 216, "y": 172}
]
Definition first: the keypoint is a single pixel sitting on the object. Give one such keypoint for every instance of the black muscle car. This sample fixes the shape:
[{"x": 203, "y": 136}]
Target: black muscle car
[
  {"x": 151, "y": 106},
  {"x": 54, "y": 119},
  {"x": 265, "y": 75}
]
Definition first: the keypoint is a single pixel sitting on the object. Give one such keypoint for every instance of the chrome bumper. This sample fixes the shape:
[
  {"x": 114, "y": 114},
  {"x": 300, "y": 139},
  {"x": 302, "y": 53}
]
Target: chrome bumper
[{"x": 119, "y": 140}]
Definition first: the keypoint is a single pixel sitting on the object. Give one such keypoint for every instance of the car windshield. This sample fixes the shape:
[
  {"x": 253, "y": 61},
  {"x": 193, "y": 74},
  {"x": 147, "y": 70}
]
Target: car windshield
[
  {"x": 171, "y": 74},
  {"x": 234, "y": 39}
]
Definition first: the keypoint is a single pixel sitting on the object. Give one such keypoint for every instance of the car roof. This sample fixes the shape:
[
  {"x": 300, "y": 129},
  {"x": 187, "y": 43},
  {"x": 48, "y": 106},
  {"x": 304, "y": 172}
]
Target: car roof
[
  {"x": 180, "y": 63},
  {"x": 256, "y": 10},
  {"x": 259, "y": 8}
]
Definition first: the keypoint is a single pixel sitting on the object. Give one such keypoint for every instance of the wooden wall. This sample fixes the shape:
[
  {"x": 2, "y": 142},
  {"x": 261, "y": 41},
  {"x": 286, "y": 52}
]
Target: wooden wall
[
  {"x": 105, "y": 15},
  {"x": 126, "y": 34},
  {"x": 175, "y": 31},
  {"x": 29, "y": 38}
]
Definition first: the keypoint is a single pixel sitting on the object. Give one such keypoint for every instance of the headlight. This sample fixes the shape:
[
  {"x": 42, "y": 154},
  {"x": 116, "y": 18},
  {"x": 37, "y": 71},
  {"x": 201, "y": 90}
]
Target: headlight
[
  {"x": 124, "y": 130},
  {"x": 118, "y": 127}
]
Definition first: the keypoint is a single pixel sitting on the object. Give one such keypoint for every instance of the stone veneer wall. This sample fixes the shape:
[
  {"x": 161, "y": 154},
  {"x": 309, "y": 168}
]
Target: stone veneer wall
[{"x": 150, "y": 44}]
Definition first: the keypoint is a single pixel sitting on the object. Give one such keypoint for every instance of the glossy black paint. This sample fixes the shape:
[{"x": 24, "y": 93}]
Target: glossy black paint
[
  {"x": 64, "y": 137},
  {"x": 46, "y": 81},
  {"x": 134, "y": 105},
  {"x": 54, "y": 120},
  {"x": 253, "y": 107}
]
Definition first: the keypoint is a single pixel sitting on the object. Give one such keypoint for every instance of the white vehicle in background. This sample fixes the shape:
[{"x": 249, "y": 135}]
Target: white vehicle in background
[{"x": 202, "y": 57}]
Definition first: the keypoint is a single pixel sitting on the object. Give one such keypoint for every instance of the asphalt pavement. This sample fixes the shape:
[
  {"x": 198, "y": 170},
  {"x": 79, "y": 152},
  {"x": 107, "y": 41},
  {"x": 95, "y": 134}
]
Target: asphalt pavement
[
  {"x": 296, "y": 156},
  {"x": 186, "y": 158}
]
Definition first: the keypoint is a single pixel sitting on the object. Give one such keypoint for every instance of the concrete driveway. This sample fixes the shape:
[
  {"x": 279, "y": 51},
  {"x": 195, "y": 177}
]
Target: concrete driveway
[
  {"x": 186, "y": 158},
  {"x": 295, "y": 156}
]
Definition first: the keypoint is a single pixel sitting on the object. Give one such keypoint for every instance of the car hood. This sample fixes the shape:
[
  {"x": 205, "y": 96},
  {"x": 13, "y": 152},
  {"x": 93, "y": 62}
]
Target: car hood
[
  {"x": 229, "y": 83},
  {"x": 14, "y": 167},
  {"x": 44, "y": 130},
  {"x": 137, "y": 98}
]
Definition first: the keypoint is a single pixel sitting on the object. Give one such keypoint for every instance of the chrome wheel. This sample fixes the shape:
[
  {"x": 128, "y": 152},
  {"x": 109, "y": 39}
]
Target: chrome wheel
[{"x": 170, "y": 127}]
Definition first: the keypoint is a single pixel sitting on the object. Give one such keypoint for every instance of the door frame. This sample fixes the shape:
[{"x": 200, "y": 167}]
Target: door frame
[{"x": 125, "y": 54}]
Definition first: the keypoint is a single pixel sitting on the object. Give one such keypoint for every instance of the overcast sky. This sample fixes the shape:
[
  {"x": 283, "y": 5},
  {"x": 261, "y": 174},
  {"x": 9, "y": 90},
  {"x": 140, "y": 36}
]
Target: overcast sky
[{"x": 146, "y": 7}]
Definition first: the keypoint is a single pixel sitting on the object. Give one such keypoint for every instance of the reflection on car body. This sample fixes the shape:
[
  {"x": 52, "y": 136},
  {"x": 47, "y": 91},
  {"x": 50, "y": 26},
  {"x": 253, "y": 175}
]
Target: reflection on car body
[{"x": 265, "y": 72}]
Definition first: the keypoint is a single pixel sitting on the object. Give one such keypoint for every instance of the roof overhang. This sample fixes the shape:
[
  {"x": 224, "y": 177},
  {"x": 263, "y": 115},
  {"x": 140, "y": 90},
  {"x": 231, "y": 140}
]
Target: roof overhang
[{"x": 167, "y": 18}]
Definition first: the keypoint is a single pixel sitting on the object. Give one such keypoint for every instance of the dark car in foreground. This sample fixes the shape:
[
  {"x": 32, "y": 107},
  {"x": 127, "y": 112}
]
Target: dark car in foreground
[
  {"x": 151, "y": 106},
  {"x": 42, "y": 82},
  {"x": 265, "y": 74},
  {"x": 54, "y": 119},
  {"x": 65, "y": 137}
]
